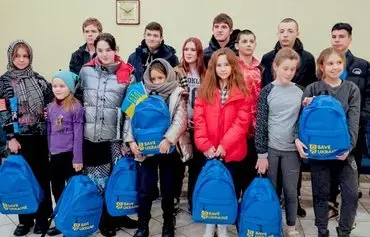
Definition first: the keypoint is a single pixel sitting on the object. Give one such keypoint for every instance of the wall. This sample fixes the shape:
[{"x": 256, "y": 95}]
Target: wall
[{"x": 53, "y": 28}]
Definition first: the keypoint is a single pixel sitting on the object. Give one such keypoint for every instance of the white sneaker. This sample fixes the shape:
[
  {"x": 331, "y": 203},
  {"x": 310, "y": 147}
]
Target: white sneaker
[
  {"x": 292, "y": 233},
  {"x": 210, "y": 230},
  {"x": 222, "y": 231}
]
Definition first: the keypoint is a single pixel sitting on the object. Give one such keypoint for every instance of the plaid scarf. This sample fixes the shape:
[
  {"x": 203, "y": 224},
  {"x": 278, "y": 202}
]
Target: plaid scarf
[
  {"x": 29, "y": 91},
  {"x": 224, "y": 93}
]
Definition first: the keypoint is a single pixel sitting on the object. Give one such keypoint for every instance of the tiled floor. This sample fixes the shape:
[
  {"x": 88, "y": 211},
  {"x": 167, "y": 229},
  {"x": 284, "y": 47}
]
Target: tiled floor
[{"x": 185, "y": 227}]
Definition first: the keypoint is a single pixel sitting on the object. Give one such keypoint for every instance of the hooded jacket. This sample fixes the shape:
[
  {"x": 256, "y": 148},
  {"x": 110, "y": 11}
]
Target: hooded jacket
[
  {"x": 306, "y": 73},
  {"x": 101, "y": 90},
  {"x": 140, "y": 56},
  {"x": 214, "y": 46}
]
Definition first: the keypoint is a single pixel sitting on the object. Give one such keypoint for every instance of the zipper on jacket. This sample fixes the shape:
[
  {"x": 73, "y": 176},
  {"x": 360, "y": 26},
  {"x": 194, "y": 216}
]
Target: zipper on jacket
[
  {"x": 105, "y": 82},
  {"x": 221, "y": 124},
  {"x": 221, "y": 121},
  {"x": 97, "y": 105}
]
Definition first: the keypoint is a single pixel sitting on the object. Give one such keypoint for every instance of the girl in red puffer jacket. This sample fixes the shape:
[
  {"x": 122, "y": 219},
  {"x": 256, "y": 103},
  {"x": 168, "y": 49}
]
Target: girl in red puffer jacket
[{"x": 222, "y": 118}]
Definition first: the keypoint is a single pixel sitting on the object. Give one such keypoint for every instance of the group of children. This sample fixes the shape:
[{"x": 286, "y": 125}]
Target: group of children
[{"x": 221, "y": 104}]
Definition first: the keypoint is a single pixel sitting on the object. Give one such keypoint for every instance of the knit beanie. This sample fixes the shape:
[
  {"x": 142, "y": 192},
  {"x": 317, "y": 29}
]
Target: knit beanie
[{"x": 69, "y": 79}]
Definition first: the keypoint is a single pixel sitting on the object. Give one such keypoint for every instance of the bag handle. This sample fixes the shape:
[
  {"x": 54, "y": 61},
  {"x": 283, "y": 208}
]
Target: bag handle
[{"x": 259, "y": 175}]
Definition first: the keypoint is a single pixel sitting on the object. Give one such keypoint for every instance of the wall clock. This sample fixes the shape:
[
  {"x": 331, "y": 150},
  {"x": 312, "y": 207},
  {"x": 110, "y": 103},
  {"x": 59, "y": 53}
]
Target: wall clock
[{"x": 128, "y": 12}]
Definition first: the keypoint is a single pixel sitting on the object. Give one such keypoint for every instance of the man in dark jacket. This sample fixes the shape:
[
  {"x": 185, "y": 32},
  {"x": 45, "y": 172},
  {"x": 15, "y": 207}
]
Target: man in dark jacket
[
  {"x": 288, "y": 32},
  {"x": 288, "y": 37},
  {"x": 151, "y": 47},
  {"x": 357, "y": 70},
  {"x": 223, "y": 36},
  {"x": 91, "y": 28}
]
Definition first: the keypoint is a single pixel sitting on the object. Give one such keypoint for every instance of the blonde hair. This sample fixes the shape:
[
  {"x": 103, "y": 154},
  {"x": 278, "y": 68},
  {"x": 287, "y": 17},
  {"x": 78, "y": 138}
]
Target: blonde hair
[{"x": 68, "y": 103}]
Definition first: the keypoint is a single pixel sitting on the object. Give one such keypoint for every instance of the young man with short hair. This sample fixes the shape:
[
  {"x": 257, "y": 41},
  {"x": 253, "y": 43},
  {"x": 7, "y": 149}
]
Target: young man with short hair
[
  {"x": 151, "y": 47},
  {"x": 288, "y": 33},
  {"x": 223, "y": 36},
  {"x": 246, "y": 44},
  {"x": 91, "y": 28}
]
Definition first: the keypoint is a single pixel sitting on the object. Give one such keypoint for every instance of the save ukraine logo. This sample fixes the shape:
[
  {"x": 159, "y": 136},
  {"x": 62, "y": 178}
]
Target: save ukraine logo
[
  {"x": 13, "y": 207},
  {"x": 316, "y": 149},
  {"x": 82, "y": 226},
  {"x": 126, "y": 205},
  {"x": 213, "y": 216}
]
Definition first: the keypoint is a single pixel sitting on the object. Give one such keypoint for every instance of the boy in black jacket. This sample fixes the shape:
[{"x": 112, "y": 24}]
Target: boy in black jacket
[
  {"x": 150, "y": 48},
  {"x": 91, "y": 28},
  {"x": 223, "y": 36},
  {"x": 288, "y": 32}
]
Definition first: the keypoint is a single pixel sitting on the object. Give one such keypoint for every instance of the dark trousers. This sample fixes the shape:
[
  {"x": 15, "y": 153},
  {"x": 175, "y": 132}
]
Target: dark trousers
[
  {"x": 178, "y": 177},
  {"x": 61, "y": 171},
  {"x": 148, "y": 179},
  {"x": 195, "y": 167},
  {"x": 236, "y": 170},
  {"x": 358, "y": 153},
  {"x": 249, "y": 164},
  {"x": 279, "y": 188},
  {"x": 35, "y": 151},
  {"x": 347, "y": 176}
]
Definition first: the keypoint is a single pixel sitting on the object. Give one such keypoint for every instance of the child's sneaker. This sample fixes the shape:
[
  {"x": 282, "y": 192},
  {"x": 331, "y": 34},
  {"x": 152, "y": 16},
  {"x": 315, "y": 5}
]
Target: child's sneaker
[
  {"x": 290, "y": 231},
  {"x": 210, "y": 230},
  {"x": 222, "y": 231},
  {"x": 293, "y": 233}
]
